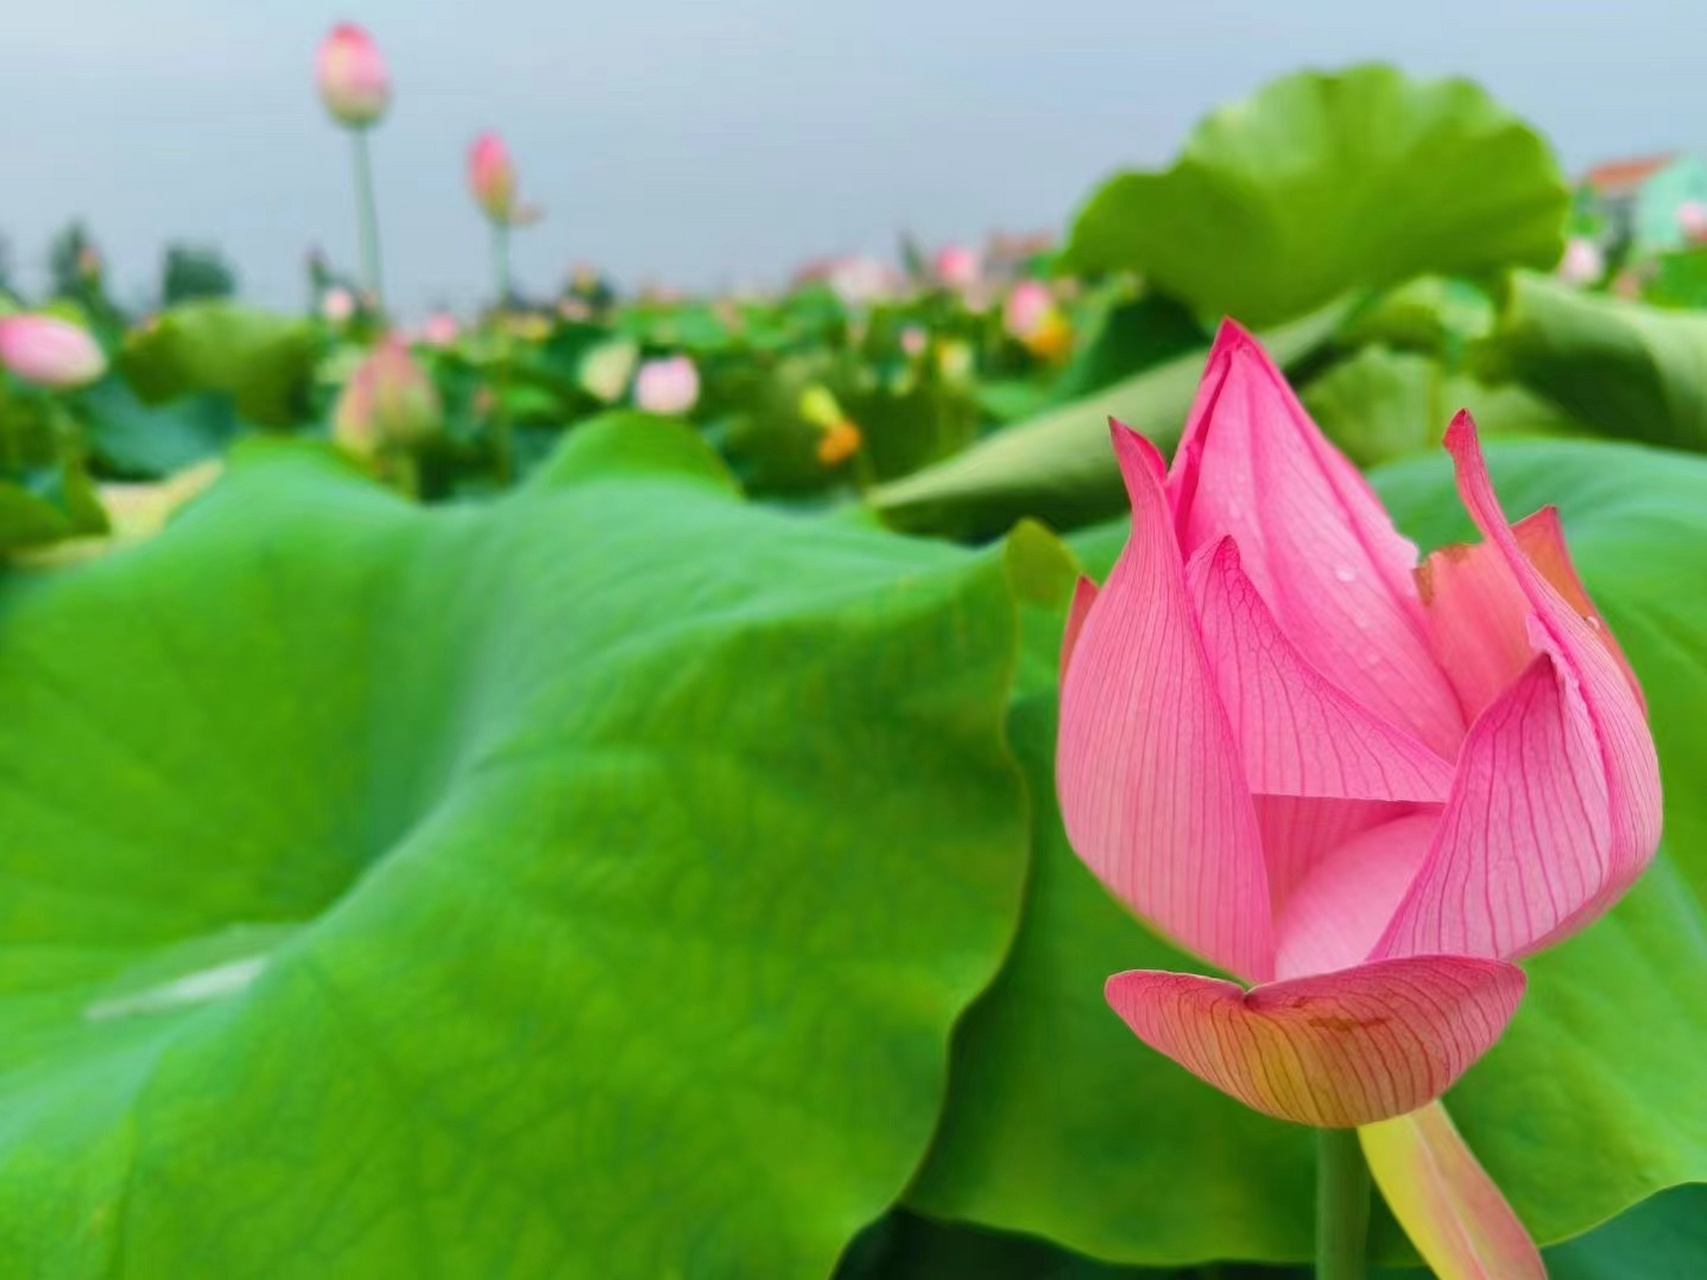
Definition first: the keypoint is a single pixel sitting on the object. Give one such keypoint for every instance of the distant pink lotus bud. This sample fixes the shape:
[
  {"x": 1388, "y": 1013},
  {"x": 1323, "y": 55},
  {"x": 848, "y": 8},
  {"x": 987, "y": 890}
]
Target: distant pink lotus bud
[
  {"x": 1692, "y": 217},
  {"x": 389, "y": 399},
  {"x": 440, "y": 330},
  {"x": 337, "y": 304},
  {"x": 958, "y": 267},
  {"x": 668, "y": 386},
  {"x": 492, "y": 179},
  {"x": 1028, "y": 309},
  {"x": 49, "y": 352},
  {"x": 1583, "y": 262},
  {"x": 914, "y": 340},
  {"x": 354, "y": 83},
  {"x": 857, "y": 281}
]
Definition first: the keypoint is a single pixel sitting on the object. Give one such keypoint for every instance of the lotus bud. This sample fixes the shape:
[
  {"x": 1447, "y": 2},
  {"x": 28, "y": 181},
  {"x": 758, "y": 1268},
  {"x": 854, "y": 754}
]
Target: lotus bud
[
  {"x": 49, "y": 352},
  {"x": 492, "y": 179},
  {"x": 354, "y": 83},
  {"x": 668, "y": 386},
  {"x": 914, "y": 341},
  {"x": 1031, "y": 316},
  {"x": 957, "y": 267},
  {"x": 389, "y": 400},
  {"x": 1583, "y": 262},
  {"x": 440, "y": 330},
  {"x": 337, "y": 305},
  {"x": 1692, "y": 218}
]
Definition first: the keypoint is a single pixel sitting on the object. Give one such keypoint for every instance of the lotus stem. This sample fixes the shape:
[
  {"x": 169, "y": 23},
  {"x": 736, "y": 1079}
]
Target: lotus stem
[
  {"x": 1342, "y": 1206},
  {"x": 367, "y": 220}
]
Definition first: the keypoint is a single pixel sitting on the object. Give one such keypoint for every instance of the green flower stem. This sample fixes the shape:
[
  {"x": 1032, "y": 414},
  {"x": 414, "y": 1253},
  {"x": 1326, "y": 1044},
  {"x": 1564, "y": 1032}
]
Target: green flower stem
[
  {"x": 503, "y": 444},
  {"x": 1342, "y": 1206},
  {"x": 367, "y": 220}
]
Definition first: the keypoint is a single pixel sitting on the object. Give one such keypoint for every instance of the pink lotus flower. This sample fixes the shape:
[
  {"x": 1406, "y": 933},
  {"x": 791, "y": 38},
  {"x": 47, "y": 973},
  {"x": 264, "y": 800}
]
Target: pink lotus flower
[
  {"x": 1027, "y": 309},
  {"x": 389, "y": 400},
  {"x": 1692, "y": 219},
  {"x": 957, "y": 266},
  {"x": 337, "y": 304},
  {"x": 668, "y": 386},
  {"x": 49, "y": 352},
  {"x": 1364, "y": 786},
  {"x": 440, "y": 329},
  {"x": 354, "y": 83},
  {"x": 1583, "y": 262},
  {"x": 492, "y": 179}
]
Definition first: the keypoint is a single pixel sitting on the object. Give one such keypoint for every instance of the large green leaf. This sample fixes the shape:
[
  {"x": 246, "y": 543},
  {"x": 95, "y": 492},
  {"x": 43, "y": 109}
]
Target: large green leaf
[
  {"x": 1624, "y": 368},
  {"x": 1061, "y": 1124},
  {"x": 584, "y": 884},
  {"x": 1381, "y": 404},
  {"x": 1322, "y": 183},
  {"x": 264, "y": 362},
  {"x": 1059, "y": 466}
]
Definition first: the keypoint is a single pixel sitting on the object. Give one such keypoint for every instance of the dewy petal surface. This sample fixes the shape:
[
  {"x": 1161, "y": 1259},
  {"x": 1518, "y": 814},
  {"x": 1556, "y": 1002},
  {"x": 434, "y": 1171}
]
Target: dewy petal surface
[
  {"x": 1299, "y": 734},
  {"x": 1152, "y": 789},
  {"x": 1315, "y": 540},
  {"x": 1556, "y": 807},
  {"x": 1334, "y": 1050},
  {"x": 1443, "y": 1198}
]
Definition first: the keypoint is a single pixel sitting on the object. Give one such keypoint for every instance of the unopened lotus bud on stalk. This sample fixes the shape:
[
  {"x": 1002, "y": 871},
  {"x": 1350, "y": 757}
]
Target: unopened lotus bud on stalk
[
  {"x": 389, "y": 402},
  {"x": 667, "y": 386},
  {"x": 356, "y": 88},
  {"x": 492, "y": 181},
  {"x": 354, "y": 82},
  {"x": 49, "y": 352}
]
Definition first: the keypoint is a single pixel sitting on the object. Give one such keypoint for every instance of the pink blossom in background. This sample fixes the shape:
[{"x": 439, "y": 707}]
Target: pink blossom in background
[
  {"x": 914, "y": 341},
  {"x": 1028, "y": 309},
  {"x": 1583, "y": 262},
  {"x": 354, "y": 83},
  {"x": 667, "y": 386},
  {"x": 389, "y": 399},
  {"x": 1692, "y": 218},
  {"x": 492, "y": 180},
  {"x": 1295, "y": 752},
  {"x": 49, "y": 352},
  {"x": 337, "y": 304},
  {"x": 440, "y": 329},
  {"x": 957, "y": 267}
]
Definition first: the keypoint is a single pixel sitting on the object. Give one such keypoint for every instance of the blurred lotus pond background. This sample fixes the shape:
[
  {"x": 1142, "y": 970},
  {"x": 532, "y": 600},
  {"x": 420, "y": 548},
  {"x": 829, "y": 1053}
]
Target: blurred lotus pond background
[{"x": 564, "y": 786}]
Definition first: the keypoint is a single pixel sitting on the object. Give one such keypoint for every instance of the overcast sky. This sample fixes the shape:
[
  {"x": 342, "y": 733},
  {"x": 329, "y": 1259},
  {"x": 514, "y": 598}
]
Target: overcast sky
[{"x": 705, "y": 142}]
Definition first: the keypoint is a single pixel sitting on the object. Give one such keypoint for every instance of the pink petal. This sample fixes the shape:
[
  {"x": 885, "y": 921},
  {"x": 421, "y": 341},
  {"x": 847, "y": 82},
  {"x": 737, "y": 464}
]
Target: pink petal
[
  {"x": 1152, "y": 790},
  {"x": 1524, "y": 841},
  {"x": 1479, "y": 615},
  {"x": 1334, "y": 1050},
  {"x": 1084, "y": 596},
  {"x": 1299, "y": 831},
  {"x": 1445, "y": 1201},
  {"x": 1338, "y": 912},
  {"x": 1299, "y": 734},
  {"x": 1556, "y": 809},
  {"x": 1316, "y": 542}
]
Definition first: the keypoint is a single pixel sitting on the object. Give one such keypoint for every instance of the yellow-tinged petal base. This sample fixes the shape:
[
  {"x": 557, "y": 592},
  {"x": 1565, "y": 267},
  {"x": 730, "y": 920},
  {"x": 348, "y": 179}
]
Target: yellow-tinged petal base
[{"x": 1446, "y": 1202}]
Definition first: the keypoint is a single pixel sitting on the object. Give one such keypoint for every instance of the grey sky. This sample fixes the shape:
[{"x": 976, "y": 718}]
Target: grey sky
[{"x": 707, "y": 142}]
